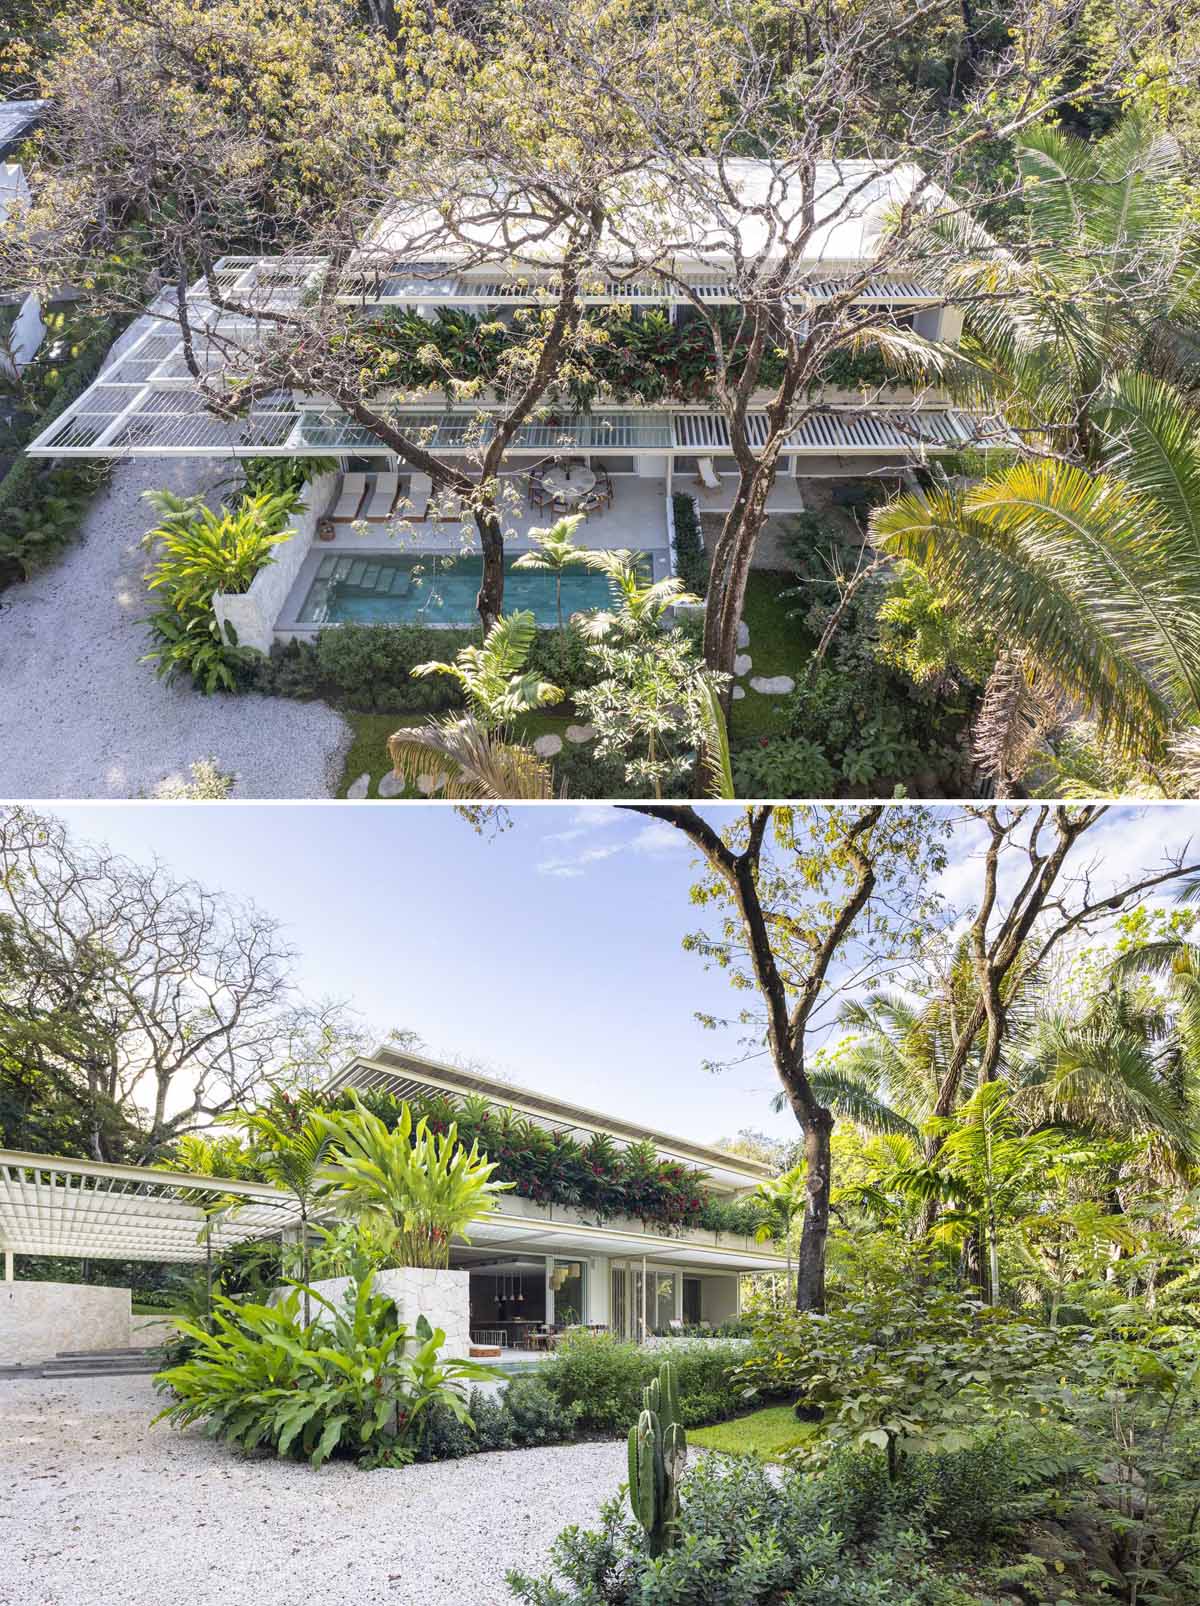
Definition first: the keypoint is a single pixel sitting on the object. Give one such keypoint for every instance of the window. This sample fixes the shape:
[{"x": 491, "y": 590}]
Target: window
[
  {"x": 691, "y": 1301},
  {"x": 664, "y": 1303},
  {"x": 567, "y": 1282}
]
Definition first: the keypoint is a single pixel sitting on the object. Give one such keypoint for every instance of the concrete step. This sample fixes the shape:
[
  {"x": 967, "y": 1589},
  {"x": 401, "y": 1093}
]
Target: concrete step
[{"x": 127, "y": 1352}]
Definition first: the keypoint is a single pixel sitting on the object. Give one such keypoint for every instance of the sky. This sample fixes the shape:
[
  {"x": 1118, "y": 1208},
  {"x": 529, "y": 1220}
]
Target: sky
[{"x": 549, "y": 954}]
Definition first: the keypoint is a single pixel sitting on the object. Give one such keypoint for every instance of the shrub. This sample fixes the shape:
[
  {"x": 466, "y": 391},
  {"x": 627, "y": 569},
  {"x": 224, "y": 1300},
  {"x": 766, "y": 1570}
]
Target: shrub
[
  {"x": 691, "y": 560},
  {"x": 353, "y": 1380},
  {"x": 787, "y": 766},
  {"x": 745, "y": 1539},
  {"x": 603, "y": 1377},
  {"x": 526, "y": 1413},
  {"x": 370, "y": 666},
  {"x": 273, "y": 475},
  {"x": 42, "y": 503}
]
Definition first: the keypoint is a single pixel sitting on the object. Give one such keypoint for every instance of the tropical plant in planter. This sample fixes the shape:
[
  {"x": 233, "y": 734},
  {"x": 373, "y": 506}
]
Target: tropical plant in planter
[
  {"x": 354, "y": 1380},
  {"x": 422, "y": 1188}
]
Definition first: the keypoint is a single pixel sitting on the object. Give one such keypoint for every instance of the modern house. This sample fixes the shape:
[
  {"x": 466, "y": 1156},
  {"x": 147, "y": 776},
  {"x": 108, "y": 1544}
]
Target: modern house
[
  {"x": 533, "y": 1264},
  {"x": 528, "y": 1267},
  {"x": 395, "y": 554}
]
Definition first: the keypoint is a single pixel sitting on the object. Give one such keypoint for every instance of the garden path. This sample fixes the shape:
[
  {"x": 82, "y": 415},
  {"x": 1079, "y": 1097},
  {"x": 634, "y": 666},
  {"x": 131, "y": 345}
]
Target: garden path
[
  {"x": 80, "y": 716},
  {"x": 97, "y": 1505}
]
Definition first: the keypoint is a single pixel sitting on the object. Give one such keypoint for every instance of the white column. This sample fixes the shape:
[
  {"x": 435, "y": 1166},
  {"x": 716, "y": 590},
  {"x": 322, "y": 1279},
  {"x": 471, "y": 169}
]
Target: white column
[{"x": 9, "y": 1273}]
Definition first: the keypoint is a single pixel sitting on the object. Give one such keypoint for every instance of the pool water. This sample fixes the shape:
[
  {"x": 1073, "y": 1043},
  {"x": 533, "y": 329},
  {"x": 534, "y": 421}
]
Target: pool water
[{"x": 396, "y": 588}]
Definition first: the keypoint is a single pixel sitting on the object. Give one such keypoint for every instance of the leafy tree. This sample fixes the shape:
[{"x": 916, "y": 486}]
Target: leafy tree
[{"x": 555, "y": 552}]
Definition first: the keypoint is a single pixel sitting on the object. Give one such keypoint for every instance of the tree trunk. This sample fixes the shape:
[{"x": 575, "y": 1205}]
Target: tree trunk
[
  {"x": 810, "y": 1260},
  {"x": 490, "y": 598},
  {"x": 731, "y": 568}
]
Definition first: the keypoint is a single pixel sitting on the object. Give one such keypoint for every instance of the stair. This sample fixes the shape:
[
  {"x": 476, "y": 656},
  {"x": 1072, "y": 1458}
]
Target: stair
[{"x": 94, "y": 1363}]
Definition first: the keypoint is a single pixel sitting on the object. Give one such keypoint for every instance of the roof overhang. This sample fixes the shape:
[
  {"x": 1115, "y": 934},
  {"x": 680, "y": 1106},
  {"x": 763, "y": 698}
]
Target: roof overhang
[
  {"x": 54, "y": 1205},
  {"x": 410, "y": 1076},
  {"x": 528, "y": 1235}
]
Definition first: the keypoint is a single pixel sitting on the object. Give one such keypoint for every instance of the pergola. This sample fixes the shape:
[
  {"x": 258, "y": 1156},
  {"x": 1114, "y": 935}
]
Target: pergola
[{"x": 88, "y": 1209}]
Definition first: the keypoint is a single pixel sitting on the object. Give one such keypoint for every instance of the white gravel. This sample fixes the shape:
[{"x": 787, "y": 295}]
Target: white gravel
[
  {"x": 96, "y": 1507},
  {"x": 81, "y": 717}
]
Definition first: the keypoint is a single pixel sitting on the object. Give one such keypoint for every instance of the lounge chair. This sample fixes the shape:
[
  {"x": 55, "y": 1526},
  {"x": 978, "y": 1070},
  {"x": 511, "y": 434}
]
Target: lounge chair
[
  {"x": 383, "y": 498},
  {"x": 350, "y": 498},
  {"x": 707, "y": 475},
  {"x": 420, "y": 488},
  {"x": 594, "y": 502}
]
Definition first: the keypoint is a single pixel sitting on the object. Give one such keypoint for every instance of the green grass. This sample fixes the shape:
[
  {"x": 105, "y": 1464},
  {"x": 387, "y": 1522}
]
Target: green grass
[
  {"x": 369, "y": 752},
  {"x": 764, "y": 1434},
  {"x": 778, "y": 646}
]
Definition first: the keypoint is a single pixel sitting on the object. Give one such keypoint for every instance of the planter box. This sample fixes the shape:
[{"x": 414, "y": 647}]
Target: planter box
[
  {"x": 253, "y": 613},
  {"x": 442, "y": 1297}
]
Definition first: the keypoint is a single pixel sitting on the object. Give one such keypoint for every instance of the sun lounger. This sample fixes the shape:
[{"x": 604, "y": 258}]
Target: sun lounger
[
  {"x": 707, "y": 474},
  {"x": 419, "y": 491},
  {"x": 350, "y": 499},
  {"x": 383, "y": 497}
]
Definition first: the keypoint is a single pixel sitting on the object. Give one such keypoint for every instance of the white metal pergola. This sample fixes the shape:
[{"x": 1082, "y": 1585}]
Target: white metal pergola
[{"x": 88, "y": 1209}]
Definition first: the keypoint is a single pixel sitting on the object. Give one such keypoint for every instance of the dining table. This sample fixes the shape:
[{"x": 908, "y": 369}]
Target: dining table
[{"x": 569, "y": 485}]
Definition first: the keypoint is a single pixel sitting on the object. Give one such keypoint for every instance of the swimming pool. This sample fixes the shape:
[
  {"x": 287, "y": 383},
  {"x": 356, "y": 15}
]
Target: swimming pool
[{"x": 410, "y": 589}]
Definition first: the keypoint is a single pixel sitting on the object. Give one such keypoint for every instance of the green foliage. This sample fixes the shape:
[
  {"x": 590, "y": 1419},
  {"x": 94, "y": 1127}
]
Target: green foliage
[
  {"x": 423, "y": 1186},
  {"x": 42, "y": 502},
  {"x": 603, "y": 1378},
  {"x": 906, "y": 1372},
  {"x": 526, "y": 1414},
  {"x": 199, "y": 553},
  {"x": 746, "y": 1538},
  {"x": 786, "y": 766},
  {"x": 281, "y": 476},
  {"x": 596, "y": 1177},
  {"x": 691, "y": 560},
  {"x": 496, "y": 683},
  {"x": 354, "y": 1381}
]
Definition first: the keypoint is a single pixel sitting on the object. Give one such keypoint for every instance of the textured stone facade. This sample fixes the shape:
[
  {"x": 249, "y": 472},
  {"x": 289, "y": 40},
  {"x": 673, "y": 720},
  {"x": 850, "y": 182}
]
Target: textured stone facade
[
  {"x": 442, "y": 1297},
  {"x": 37, "y": 1320}
]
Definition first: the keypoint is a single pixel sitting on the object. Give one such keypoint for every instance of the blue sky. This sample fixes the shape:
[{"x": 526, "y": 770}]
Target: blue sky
[{"x": 550, "y": 954}]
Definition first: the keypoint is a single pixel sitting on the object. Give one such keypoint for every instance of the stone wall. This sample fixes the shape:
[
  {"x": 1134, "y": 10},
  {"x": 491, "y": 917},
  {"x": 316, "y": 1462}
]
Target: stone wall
[
  {"x": 254, "y": 612},
  {"x": 442, "y": 1297},
  {"x": 38, "y": 1320}
]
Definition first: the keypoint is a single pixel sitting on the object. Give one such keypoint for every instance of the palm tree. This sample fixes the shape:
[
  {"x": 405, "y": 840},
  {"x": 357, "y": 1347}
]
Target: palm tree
[
  {"x": 469, "y": 763},
  {"x": 291, "y": 1145},
  {"x": 786, "y": 1196},
  {"x": 1091, "y": 576},
  {"x": 638, "y": 604},
  {"x": 1084, "y": 562},
  {"x": 474, "y": 756},
  {"x": 555, "y": 552}
]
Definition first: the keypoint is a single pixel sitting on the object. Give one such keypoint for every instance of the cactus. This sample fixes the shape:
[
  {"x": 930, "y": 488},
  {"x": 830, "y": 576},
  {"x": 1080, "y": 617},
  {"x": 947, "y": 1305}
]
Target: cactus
[{"x": 657, "y": 1457}]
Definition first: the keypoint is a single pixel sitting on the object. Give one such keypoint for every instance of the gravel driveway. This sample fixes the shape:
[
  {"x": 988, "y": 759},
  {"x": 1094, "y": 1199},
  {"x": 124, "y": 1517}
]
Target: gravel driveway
[
  {"x": 97, "y": 1507},
  {"x": 81, "y": 717}
]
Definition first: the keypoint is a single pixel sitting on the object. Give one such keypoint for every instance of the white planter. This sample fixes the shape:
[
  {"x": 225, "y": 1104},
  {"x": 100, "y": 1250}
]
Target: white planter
[
  {"x": 253, "y": 613},
  {"x": 442, "y": 1297}
]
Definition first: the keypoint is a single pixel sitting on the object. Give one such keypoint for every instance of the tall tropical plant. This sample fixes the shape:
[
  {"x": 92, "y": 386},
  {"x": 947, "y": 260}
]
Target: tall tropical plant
[
  {"x": 554, "y": 553},
  {"x": 290, "y": 1145},
  {"x": 1084, "y": 561},
  {"x": 785, "y": 1197},
  {"x": 424, "y": 1187},
  {"x": 473, "y": 757}
]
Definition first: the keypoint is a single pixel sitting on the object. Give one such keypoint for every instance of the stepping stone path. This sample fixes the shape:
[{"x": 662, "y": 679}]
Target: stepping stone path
[
  {"x": 743, "y": 635},
  {"x": 738, "y": 693},
  {"x": 359, "y": 788},
  {"x": 391, "y": 785},
  {"x": 743, "y": 664},
  {"x": 772, "y": 685},
  {"x": 580, "y": 733},
  {"x": 765, "y": 685},
  {"x": 428, "y": 784},
  {"x": 547, "y": 746}
]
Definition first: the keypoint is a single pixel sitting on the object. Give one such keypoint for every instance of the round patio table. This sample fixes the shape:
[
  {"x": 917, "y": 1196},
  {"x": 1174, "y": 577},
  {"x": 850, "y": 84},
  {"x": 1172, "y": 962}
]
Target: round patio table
[{"x": 556, "y": 484}]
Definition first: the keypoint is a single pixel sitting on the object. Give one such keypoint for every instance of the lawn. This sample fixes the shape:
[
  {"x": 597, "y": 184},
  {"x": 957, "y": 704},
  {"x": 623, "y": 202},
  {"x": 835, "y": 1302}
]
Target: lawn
[
  {"x": 368, "y": 752},
  {"x": 764, "y": 1434},
  {"x": 778, "y": 646}
]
